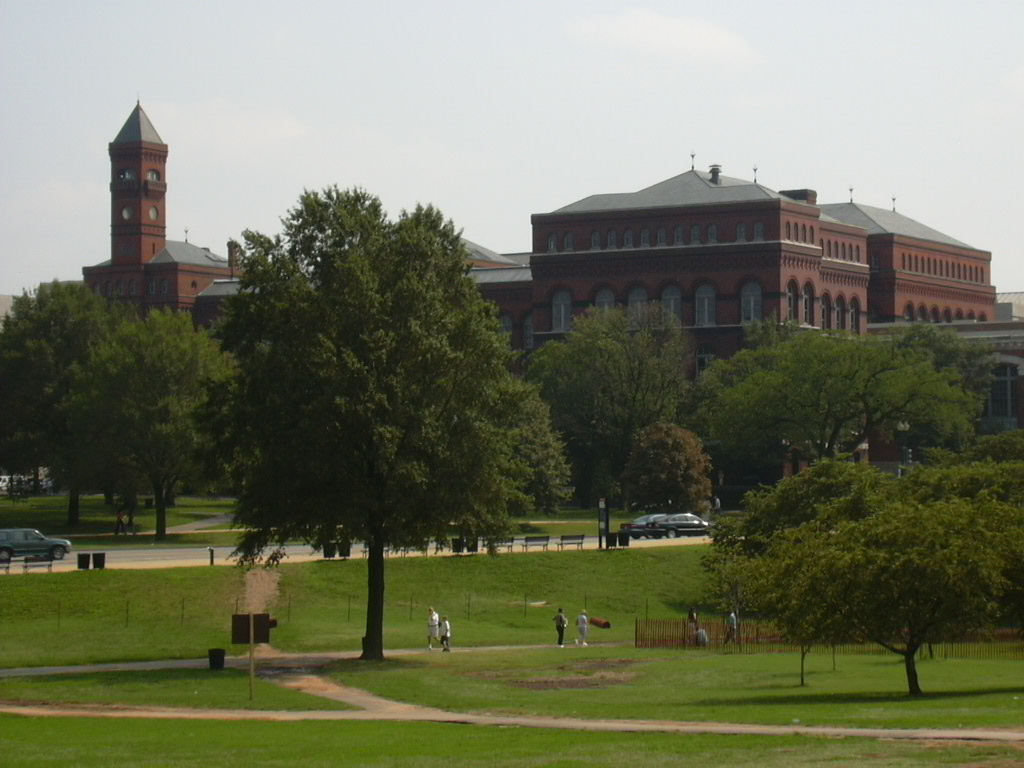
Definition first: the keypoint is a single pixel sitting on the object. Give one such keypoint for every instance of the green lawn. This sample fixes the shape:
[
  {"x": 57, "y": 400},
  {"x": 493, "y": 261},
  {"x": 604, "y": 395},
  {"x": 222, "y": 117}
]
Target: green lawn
[{"x": 88, "y": 743}]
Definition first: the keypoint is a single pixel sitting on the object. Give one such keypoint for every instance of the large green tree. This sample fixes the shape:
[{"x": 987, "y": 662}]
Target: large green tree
[
  {"x": 373, "y": 398},
  {"x": 614, "y": 375},
  {"x": 668, "y": 471},
  {"x": 47, "y": 335},
  {"x": 825, "y": 393},
  {"x": 138, "y": 396}
]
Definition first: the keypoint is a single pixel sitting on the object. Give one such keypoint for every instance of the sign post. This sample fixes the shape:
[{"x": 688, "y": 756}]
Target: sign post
[{"x": 602, "y": 523}]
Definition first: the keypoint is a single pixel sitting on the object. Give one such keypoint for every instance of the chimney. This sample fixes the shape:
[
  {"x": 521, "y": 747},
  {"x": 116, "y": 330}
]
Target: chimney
[
  {"x": 808, "y": 196},
  {"x": 716, "y": 170}
]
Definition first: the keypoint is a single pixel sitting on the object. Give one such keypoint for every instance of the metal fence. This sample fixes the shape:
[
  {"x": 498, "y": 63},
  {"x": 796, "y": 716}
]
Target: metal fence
[{"x": 757, "y": 636}]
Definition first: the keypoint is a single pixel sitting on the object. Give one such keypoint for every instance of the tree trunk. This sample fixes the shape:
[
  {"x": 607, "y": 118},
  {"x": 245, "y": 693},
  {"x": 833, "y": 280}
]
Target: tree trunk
[
  {"x": 803, "y": 655},
  {"x": 160, "y": 501},
  {"x": 373, "y": 640},
  {"x": 910, "y": 664},
  {"x": 74, "y": 504}
]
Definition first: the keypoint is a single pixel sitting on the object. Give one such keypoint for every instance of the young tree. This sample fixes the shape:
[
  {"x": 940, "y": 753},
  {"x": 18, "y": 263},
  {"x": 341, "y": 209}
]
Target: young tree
[
  {"x": 138, "y": 395},
  {"x": 668, "y": 470},
  {"x": 43, "y": 339},
  {"x": 373, "y": 398},
  {"x": 612, "y": 376}
]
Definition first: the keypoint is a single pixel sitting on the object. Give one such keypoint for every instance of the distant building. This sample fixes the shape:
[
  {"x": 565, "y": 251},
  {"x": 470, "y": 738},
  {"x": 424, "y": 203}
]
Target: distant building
[{"x": 145, "y": 268}]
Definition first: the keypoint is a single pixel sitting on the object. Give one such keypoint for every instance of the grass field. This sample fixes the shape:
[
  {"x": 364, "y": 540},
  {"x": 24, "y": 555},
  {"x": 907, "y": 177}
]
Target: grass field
[{"x": 86, "y": 743}]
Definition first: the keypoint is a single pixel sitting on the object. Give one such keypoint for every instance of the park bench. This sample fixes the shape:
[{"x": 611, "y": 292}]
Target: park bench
[
  {"x": 507, "y": 544},
  {"x": 536, "y": 541},
  {"x": 32, "y": 560},
  {"x": 567, "y": 539}
]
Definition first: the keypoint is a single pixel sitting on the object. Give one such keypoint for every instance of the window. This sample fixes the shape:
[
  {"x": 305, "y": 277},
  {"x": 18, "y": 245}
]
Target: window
[
  {"x": 811, "y": 238},
  {"x": 126, "y": 174},
  {"x": 118, "y": 290},
  {"x": 194, "y": 286},
  {"x": 605, "y": 299},
  {"x": 826, "y": 312},
  {"x": 712, "y": 233},
  {"x": 855, "y": 315},
  {"x": 840, "y": 314},
  {"x": 627, "y": 238},
  {"x": 1002, "y": 397},
  {"x": 789, "y": 231},
  {"x": 793, "y": 301},
  {"x": 132, "y": 287},
  {"x": 741, "y": 233},
  {"x": 163, "y": 285},
  {"x": 759, "y": 230},
  {"x": 704, "y": 299},
  {"x": 936, "y": 317},
  {"x": 662, "y": 239},
  {"x": 636, "y": 303},
  {"x": 803, "y": 233},
  {"x": 552, "y": 243},
  {"x": 677, "y": 236},
  {"x": 695, "y": 234},
  {"x": 705, "y": 357},
  {"x": 153, "y": 174},
  {"x": 959, "y": 314},
  {"x": 908, "y": 313},
  {"x": 106, "y": 288},
  {"x": 561, "y": 311},
  {"x": 506, "y": 323},
  {"x": 645, "y": 237},
  {"x": 922, "y": 314},
  {"x": 611, "y": 239},
  {"x": 672, "y": 305},
  {"x": 947, "y": 316},
  {"x": 568, "y": 243},
  {"x": 152, "y": 287},
  {"x": 595, "y": 240},
  {"x": 528, "y": 331},
  {"x": 808, "y": 302},
  {"x": 750, "y": 302}
]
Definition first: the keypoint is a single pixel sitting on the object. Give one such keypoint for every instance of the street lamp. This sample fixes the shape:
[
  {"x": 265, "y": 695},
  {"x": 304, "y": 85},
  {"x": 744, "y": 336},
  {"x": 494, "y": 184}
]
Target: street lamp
[{"x": 902, "y": 428}]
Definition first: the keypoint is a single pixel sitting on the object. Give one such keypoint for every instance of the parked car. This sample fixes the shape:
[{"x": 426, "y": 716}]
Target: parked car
[
  {"x": 641, "y": 526},
  {"x": 22, "y": 542},
  {"x": 680, "y": 524}
]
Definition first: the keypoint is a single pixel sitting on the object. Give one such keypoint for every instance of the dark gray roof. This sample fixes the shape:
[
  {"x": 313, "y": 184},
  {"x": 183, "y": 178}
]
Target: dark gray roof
[
  {"x": 690, "y": 188},
  {"x": 881, "y": 221},
  {"x": 509, "y": 275},
  {"x": 479, "y": 253},
  {"x": 228, "y": 287},
  {"x": 186, "y": 253},
  {"x": 137, "y": 128}
]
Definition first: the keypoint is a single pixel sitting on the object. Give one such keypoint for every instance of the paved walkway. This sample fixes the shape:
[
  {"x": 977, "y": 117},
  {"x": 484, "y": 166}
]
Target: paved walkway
[{"x": 298, "y": 672}]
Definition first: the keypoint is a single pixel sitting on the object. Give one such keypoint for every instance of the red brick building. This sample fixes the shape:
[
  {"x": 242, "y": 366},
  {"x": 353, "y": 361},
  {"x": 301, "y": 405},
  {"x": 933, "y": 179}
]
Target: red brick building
[
  {"x": 719, "y": 252},
  {"x": 145, "y": 268}
]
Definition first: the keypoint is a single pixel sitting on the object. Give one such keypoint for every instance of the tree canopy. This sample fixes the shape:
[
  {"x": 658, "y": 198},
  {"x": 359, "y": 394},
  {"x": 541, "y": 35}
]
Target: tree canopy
[
  {"x": 668, "y": 471},
  {"x": 373, "y": 398},
  {"x": 615, "y": 374}
]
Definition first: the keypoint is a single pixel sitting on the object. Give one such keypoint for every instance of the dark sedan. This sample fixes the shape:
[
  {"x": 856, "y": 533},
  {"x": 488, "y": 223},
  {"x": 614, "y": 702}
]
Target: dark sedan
[
  {"x": 680, "y": 524},
  {"x": 641, "y": 526}
]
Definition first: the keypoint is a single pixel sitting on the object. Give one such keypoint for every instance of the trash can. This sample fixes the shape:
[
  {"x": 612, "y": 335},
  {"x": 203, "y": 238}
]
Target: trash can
[
  {"x": 83, "y": 561},
  {"x": 329, "y": 549},
  {"x": 610, "y": 540},
  {"x": 624, "y": 538},
  {"x": 344, "y": 548},
  {"x": 216, "y": 658},
  {"x": 472, "y": 545},
  {"x": 458, "y": 545},
  {"x": 99, "y": 560}
]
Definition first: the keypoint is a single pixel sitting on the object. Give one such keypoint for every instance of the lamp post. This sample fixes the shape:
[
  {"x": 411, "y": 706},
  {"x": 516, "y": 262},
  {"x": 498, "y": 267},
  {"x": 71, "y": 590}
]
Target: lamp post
[{"x": 902, "y": 428}]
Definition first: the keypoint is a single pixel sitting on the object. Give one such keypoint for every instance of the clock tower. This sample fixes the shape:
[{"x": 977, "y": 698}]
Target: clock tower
[{"x": 138, "y": 186}]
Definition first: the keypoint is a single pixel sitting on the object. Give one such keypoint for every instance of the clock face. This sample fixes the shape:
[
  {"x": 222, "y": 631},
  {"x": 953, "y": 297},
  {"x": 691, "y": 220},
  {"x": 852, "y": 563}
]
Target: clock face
[
  {"x": 126, "y": 213},
  {"x": 154, "y": 214}
]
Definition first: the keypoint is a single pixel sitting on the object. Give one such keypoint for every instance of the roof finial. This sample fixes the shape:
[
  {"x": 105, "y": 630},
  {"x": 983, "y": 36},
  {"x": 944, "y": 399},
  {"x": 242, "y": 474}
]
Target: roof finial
[
  {"x": 692, "y": 155},
  {"x": 186, "y": 234},
  {"x": 851, "y": 194},
  {"x": 894, "y": 203},
  {"x": 755, "y": 173}
]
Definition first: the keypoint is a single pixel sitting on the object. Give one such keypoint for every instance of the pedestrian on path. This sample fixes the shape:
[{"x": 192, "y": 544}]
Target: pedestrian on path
[
  {"x": 433, "y": 628},
  {"x": 561, "y": 622},
  {"x": 119, "y": 525},
  {"x": 446, "y": 634},
  {"x": 731, "y": 626},
  {"x": 583, "y": 627}
]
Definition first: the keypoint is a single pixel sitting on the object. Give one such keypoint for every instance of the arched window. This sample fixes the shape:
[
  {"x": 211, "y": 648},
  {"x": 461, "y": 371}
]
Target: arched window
[
  {"x": 704, "y": 299},
  {"x": 789, "y": 231},
  {"x": 759, "y": 230},
  {"x": 982, "y": 318},
  {"x": 936, "y": 317},
  {"x": 712, "y": 233},
  {"x": 506, "y": 323},
  {"x": 552, "y": 243},
  {"x": 855, "y": 315},
  {"x": 677, "y": 236},
  {"x": 826, "y": 312},
  {"x": 947, "y": 315},
  {"x": 627, "y": 238},
  {"x": 970, "y": 314},
  {"x": 808, "y": 301},
  {"x": 803, "y": 233},
  {"x": 840, "y": 313},
  {"x": 645, "y": 237},
  {"x": 705, "y": 357},
  {"x": 750, "y": 302},
  {"x": 636, "y": 303},
  {"x": 959, "y": 314},
  {"x": 662, "y": 239},
  {"x": 611, "y": 239},
  {"x": 604, "y": 299},
  {"x": 695, "y": 234},
  {"x": 153, "y": 175},
  {"x": 595, "y": 240},
  {"x": 811, "y": 238},
  {"x": 741, "y": 233},
  {"x": 672, "y": 304},
  {"x": 561, "y": 311},
  {"x": 842, "y": 251},
  {"x": 922, "y": 314},
  {"x": 528, "y": 331},
  {"x": 908, "y": 313},
  {"x": 568, "y": 242},
  {"x": 193, "y": 286},
  {"x": 793, "y": 301}
]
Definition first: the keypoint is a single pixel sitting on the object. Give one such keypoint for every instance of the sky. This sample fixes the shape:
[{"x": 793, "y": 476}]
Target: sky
[{"x": 493, "y": 111}]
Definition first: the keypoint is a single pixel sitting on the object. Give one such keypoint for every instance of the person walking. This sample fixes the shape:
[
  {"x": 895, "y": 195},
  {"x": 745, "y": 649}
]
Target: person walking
[
  {"x": 582, "y": 626},
  {"x": 731, "y": 627},
  {"x": 119, "y": 525},
  {"x": 446, "y": 634},
  {"x": 561, "y": 622},
  {"x": 693, "y": 623},
  {"x": 433, "y": 628}
]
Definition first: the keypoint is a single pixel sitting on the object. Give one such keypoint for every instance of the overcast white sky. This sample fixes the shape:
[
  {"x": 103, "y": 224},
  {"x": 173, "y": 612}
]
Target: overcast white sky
[{"x": 496, "y": 110}]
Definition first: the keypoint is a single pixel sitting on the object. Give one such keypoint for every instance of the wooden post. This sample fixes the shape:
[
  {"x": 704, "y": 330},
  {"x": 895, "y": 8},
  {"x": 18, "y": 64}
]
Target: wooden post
[{"x": 252, "y": 657}]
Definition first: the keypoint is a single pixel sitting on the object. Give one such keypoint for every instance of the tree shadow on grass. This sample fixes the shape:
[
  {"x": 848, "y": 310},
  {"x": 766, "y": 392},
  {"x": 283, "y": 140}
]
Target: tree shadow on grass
[{"x": 813, "y": 699}]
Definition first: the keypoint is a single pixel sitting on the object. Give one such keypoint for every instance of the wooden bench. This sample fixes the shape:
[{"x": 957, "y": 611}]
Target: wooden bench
[
  {"x": 31, "y": 560},
  {"x": 567, "y": 539},
  {"x": 536, "y": 541},
  {"x": 507, "y": 544}
]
